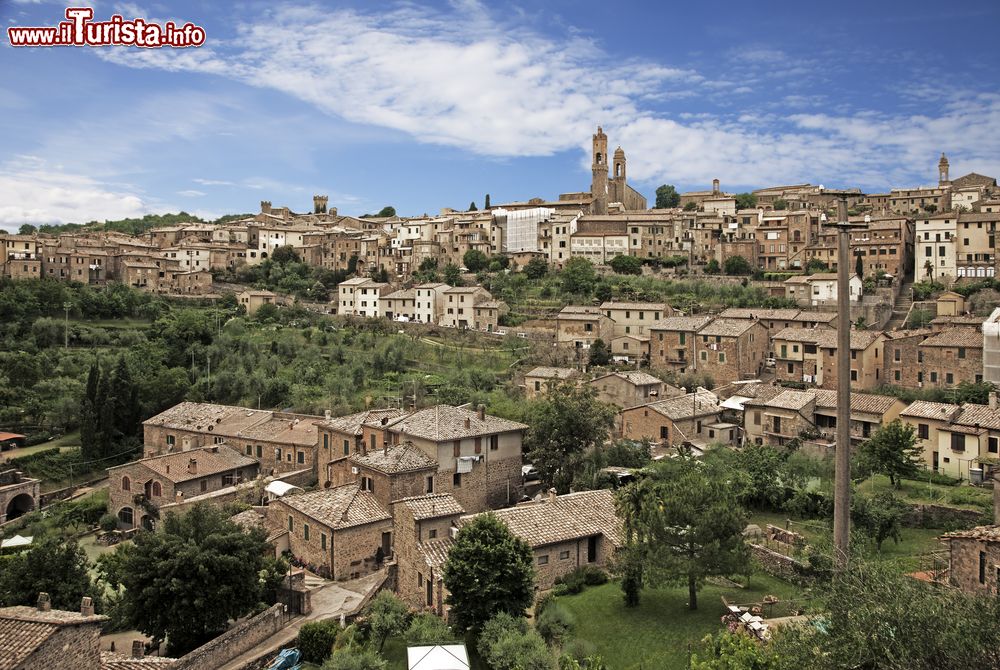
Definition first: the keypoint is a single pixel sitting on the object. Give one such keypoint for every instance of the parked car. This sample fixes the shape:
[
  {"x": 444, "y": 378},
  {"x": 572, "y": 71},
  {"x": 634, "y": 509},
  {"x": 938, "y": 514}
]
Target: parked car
[{"x": 529, "y": 473}]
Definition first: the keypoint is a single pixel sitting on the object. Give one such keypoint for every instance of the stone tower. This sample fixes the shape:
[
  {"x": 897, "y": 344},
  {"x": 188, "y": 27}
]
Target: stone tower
[
  {"x": 617, "y": 185},
  {"x": 319, "y": 204},
  {"x": 599, "y": 169},
  {"x": 943, "y": 170},
  {"x": 265, "y": 206}
]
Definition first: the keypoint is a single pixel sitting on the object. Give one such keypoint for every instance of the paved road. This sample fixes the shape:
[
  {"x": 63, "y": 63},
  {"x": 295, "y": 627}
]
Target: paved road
[{"x": 329, "y": 601}]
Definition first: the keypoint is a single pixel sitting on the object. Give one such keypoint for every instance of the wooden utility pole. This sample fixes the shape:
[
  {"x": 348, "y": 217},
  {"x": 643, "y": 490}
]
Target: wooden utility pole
[{"x": 842, "y": 477}]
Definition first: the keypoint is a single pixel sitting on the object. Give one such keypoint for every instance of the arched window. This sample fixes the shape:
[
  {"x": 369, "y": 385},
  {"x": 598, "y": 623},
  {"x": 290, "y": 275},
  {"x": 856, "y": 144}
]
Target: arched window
[
  {"x": 157, "y": 490},
  {"x": 126, "y": 484},
  {"x": 600, "y": 159},
  {"x": 125, "y": 516}
]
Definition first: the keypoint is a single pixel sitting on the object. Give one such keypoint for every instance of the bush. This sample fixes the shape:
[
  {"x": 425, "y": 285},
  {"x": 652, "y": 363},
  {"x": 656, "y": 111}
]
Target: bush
[
  {"x": 936, "y": 478},
  {"x": 555, "y": 624},
  {"x": 426, "y": 628},
  {"x": 316, "y": 639},
  {"x": 579, "y": 649},
  {"x": 108, "y": 522},
  {"x": 966, "y": 495},
  {"x": 594, "y": 576},
  {"x": 506, "y": 643},
  {"x": 573, "y": 581},
  {"x": 351, "y": 659}
]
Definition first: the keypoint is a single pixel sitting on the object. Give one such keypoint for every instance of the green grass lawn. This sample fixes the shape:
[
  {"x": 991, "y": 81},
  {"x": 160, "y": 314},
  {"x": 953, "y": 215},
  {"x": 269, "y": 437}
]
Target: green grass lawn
[
  {"x": 64, "y": 443},
  {"x": 657, "y": 633},
  {"x": 965, "y": 497}
]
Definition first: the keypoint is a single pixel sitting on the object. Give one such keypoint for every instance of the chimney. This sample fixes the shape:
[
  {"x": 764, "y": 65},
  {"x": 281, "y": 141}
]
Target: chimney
[
  {"x": 481, "y": 412},
  {"x": 715, "y": 187},
  {"x": 179, "y": 497},
  {"x": 993, "y": 399},
  {"x": 87, "y": 606},
  {"x": 44, "y": 603},
  {"x": 326, "y": 414},
  {"x": 193, "y": 466},
  {"x": 385, "y": 448},
  {"x": 138, "y": 649},
  {"x": 468, "y": 422},
  {"x": 552, "y": 495}
]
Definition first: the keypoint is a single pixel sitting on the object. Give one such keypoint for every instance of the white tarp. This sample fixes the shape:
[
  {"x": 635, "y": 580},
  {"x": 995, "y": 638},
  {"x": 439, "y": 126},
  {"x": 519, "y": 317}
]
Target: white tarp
[
  {"x": 15, "y": 542},
  {"x": 438, "y": 657},
  {"x": 278, "y": 488},
  {"x": 465, "y": 464}
]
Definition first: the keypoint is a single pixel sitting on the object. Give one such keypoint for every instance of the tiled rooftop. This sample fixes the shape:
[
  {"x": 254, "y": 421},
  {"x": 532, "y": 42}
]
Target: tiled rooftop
[
  {"x": 435, "y": 552},
  {"x": 444, "y": 422},
  {"x": 984, "y": 533},
  {"x": 396, "y": 458},
  {"x": 923, "y": 409},
  {"x": 682, "y": 323},
  {"x": 956, "y": 337},
  {"x": 687, "y": 406},
  {"x": 211, "y": 460},
  {"x": 792, "y": 400},
  {"x": 432, "y": 506},
  {"x": 351, "y": 424},
  {"x": 727, "y": 328},
  {"x": 339, "y": 507},
  {"x": 552, "y": 373},
  {"x": 24, "y": 629}
]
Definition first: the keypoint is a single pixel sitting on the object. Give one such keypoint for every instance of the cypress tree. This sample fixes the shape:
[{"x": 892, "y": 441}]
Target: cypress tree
[
  {"x": 88, "y": 414},
  {"x": 108, "y": 435},
  {"x": 486, "y": 204},
  {"x": 126, "y": 405}
]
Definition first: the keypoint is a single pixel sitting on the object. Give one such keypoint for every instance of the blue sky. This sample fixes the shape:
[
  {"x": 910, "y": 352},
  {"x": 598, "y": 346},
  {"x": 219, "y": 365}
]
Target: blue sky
[{"x": 424, "y": 106}]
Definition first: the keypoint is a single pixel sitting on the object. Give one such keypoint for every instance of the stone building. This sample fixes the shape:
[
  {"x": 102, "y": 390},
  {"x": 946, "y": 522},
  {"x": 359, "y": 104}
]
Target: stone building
[
  {"x": 672, "y": 342},
  {"x": 949, "y": 358},
  {"x": 694, "y": 418},
  {"x": 730, "y": 350},
  {"x": 796, "y": 355},
  {"x": 340, "y": 532},
  {"x": 478, "y": 456},
  {"x": 399, "y": 305},
  {"x": 138, "y": 490},
  {"x": 253, "y": 299},
  {"x": 901, "y": 353},
  {"x": 391, "y": 473},
  {"x": 956, "y": 438},
  {"x": 628, "y": 389},
  {"x": 422, "y": 528},
  {"x": 635, "y": 318},
  {"x": 342, "y": 436},
  {"x": 18, "y": 494},
  {"x": 777, "y": 319},
  {"x": 41, "y": 637},
  {"x": 974, "y": 555},
  {"x": 581, "y": 327},
  {"x": 280, "y": 441},
  {"x": 538, "y": 381},
  {"x": 866, "y": 359},
  {"x": 613, "y": 189},
  {"x": 487, "y": 315}
]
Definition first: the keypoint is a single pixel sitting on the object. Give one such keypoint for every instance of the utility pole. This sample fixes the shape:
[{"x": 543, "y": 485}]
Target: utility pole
[
  {"x": 842, "y": 476},
  {"x": 66, "y": 306}
]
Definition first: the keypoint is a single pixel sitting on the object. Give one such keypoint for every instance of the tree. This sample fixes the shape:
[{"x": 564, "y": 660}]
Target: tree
[
  {"x": 188, "y": 580},
  {"x": 599, "y": 354},
  {"x": 578, "y": 276},
  {"x": 426, "y": 628},
  {"x": 472, "y": 206},
  {"x": 489, "y": 570},
  {"x": 780, "y": 204},
  {"x": 536, "y": 268},
  {"x": 893, "y": 449},
  {"x": 88, "y": 415},
  {"x": 732, "y": 651},
  {"x": 879, "y": 516},
  {"x": 266, "y": 313},
  {"x": 52, "y": 566},
  {"x": 683, "y": 523},
  {"x": 691, "y": 206},
  {"x": 285, "y": 254},
  {"x": 475, "y": 260},
  {"x": 565, "y": 424},
  {"x": 603, "y": 291},
  {"x": 355, "y": 659},
  {"x": 667, "y": 197},
  {"x": 387, "y": 616},
  {"x": 746, "y": 201},
  {"x": 452, "y": 275},
  {"x": 27, "y": 229},
  {"x": 486, "y": 202},
  {"x": 387, "y": 211},
  {"x": 737, "y": 265},
  {"x": 316, "y": 639},
  {"x": 815, "y": 265},
  {"x": 507, "y": 643},
  {"x": 127, "y": 411},
  {"x": 626, "y": 265},
  {"x": 712, "y": 267},
  {"x": 859, "y": 266},
  {"x": 931, "y": 208}
]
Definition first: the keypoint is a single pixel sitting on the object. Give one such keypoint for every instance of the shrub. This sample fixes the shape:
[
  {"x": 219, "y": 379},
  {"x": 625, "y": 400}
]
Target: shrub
[
  {"x": 555, "y": 624},
  {"x": 579, "y": 649},
  {"x": 316, "y": 639},
  {"x": 966, "y": 495},
  {"x": 573, "y": 581},
  {"x": 108, "y": 522},
  {"x": 426, "y": 628},
  {"x": 361, "y": 659},
  {"x": 506, "y": 643},
  {"x": 594, "y": 576}
]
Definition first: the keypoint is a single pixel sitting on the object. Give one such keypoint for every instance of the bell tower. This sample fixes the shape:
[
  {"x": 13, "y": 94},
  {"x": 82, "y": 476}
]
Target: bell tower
[
  {"x": 943, "y": 170},
  {"x": 599, "y": 170}
]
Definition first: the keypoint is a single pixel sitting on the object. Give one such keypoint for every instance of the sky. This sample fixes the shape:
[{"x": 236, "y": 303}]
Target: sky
[{"x": 430, "y": 105}]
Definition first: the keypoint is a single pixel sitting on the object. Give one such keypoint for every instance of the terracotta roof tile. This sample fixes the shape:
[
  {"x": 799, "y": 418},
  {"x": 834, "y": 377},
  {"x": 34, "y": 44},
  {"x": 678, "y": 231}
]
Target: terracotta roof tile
[
  {"x": 432, "y": 506},
  {"x": 682, "y": 323},
  {"x": 923, "y": 409},
  {"x": 690, "y": 405},
  {"x": 339, "y": 507},
  {"x": 396, "y": 458},
  {"x": 553, "y": 373},
  {"x": 444, "y": 422},
  {"x": 435, "y": 552},
  {"x": 955, "y": 337},
  {"x": 352, "y": 424},
  {"x": 211, "y": 460}
]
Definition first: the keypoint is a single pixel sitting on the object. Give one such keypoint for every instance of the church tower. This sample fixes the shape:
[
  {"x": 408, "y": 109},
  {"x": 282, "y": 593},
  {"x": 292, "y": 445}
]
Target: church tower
[
  {"x": 618, "y": 176},
  {"x": 599, "y": 169},
  {"x": 943, "y": 171}
]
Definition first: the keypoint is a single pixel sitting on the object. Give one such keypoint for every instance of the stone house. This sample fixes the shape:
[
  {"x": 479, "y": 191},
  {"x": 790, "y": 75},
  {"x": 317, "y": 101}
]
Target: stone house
[
  {"x": 360, "y": 297},
  {"x": 399, "y": 305},
  {"x": 391, "y": 473},
  {"x": 459, "y": 306},
  {"x": 630, "y": 348},
  {"x": 949, "y": 358},
  {"x": 340, "y": 437},
  {"x": 253, "y": 299},
  {"x": 429, "y": 306},
  {"x": 672, "y": 342},
  {"x": 776, "y": 418},
  {"x": 581, "y": 328},
  {"x": 478, "y": 456},
  {"x": 900, "y": 351},
  {"x": 41, "y": 637},
  {"x": 138, "y": 490},
  {"x": 820, "y": 289},
  {"x": 866, "y": 359},
  {"x": 488, "y": 314},
  {"x": 422, "y": 528},
  {"x": 280, "y": 441},
  {"x": 974, "y": 559},
  {"x": 730, "y": 350},
  {"x": 340, "y": 532},
  {"x": 796, "y": 355},
  {"x": 538, "y": 381},
  {"x": 635, "y": 318},
  {"x": 955, "y": 437},
  {"x": 949, "y": 303},
  {"x": 628, "y": 389},
  {"x": 18, "y": 494},
  {"x": 776, "y": 320},
  {"x": 693, "y": 418}
]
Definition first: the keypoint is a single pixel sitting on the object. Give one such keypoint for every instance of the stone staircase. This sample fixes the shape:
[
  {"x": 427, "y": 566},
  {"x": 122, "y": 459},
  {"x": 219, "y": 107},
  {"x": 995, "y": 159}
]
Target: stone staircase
[{"x": 901, "y": 308}]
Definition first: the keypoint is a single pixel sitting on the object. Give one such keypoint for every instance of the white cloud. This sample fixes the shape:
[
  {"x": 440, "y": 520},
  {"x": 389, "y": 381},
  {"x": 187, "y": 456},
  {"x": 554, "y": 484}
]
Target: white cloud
[
  {"x": 504, "y": 89},
  {"x": 191, "y": 193},
  {"x": 40, "y": 195}
]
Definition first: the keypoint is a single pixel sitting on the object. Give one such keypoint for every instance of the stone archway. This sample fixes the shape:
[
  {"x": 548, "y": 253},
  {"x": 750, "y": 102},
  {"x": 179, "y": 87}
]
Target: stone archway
[{"x": 19, "y": 505}]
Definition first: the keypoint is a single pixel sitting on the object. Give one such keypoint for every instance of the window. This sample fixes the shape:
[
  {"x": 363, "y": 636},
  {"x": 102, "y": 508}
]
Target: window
[
  {"x": 664, "y": 432},
  {"x": 683, "y": 338},
  {"x": 301, "y": 456},
  {"x": 722, "y": 357},
  {"x": 126, "y": 484},
  {"x": 896, "y": 375},
  {"x": 479, "y": 445},
  {"x": 125, "y": 515},
  {"x": 957, "y": 442},
  {"x": 347, "y": 447},
  {"x": 456, "y": 480},
  {"x": 322, "y": 541},
  {"x": 961, "y": 352},
  {"x": 260, "y": 451},
  {"x": 992, "y": 446},
  {"x": 704, "y": 356},
  {"x": 756, "y": 418},
  {"x": 432, "y": 533},
  {"x": 305, "y": 531},
  {"x": 933, "y": 376},
  {"x": 156, "y": 490},
  {"x": 290, "y": 523},
  {"x": 204, "y": 485},
  {"x": 326, "y": 441},
  {"x": 982, "y": 567},
  {"x": 170, "y": 440},
  {"x": 249, "y": 450},
  {"x": 949, "y": 378},
  {"x": 456, "y": 448},
  {"x": 543, "y": 559},
  {"x": 854, "y": 375},
  {"x": 896, "y": 355}
]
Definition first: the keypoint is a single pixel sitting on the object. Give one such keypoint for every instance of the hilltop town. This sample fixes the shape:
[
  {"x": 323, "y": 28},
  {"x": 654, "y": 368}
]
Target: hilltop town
[{"x": 548, "y": 374}]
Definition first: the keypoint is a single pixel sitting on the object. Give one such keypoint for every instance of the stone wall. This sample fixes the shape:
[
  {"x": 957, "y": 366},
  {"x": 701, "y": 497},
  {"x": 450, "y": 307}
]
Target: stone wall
[
  {"x": 779, "y": 565},
  {"x": 940, "y": 516},
  {"x": 235, "y": 641},
  {"x": 68, "y": 648}
]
